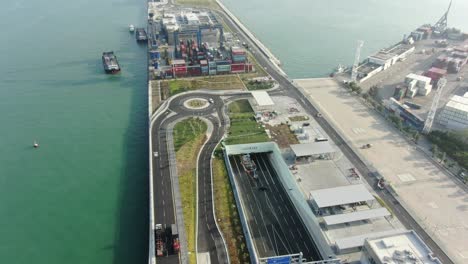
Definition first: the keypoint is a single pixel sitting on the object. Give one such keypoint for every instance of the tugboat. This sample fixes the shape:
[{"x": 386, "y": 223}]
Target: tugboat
[
  {"x": 131, "y": 28},
  {"x": 141, "y": 35},
  {"x": 110, "y": 63},
  {"x": 249, "y": 166},
  {"x": 35, "y": 144}
]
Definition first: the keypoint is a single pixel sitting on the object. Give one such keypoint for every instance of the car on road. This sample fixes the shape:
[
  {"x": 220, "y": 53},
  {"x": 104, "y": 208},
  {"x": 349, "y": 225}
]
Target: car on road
[
  {"x": 318, "y": 115},
  {"x": 156, "y": 154},
  {"x": 211, "y": 101},
  {"x": 306, "y": 124},
  {"x": 263, "y": 189}
]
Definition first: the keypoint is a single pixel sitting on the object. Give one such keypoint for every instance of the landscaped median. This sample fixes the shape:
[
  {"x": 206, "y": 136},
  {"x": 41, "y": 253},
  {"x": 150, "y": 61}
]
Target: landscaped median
[
  {"x": 226, "y": 213},
  {"x": 244, "y": 128},
  {"x": 189, "y": 137}
]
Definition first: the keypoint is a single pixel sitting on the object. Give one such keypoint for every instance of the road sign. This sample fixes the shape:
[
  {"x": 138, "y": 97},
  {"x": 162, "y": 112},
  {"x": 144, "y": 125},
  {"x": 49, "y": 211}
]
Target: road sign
[{"x": 279, "y": 260}]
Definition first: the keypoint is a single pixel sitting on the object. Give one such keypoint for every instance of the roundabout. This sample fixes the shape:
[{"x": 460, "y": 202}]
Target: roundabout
[{"x": 196, "y": 103}]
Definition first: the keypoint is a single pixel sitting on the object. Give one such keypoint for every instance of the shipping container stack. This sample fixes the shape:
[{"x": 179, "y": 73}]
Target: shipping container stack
[
  {"x": 435, "y": 74},
  {"x": 239, "y": 58}
]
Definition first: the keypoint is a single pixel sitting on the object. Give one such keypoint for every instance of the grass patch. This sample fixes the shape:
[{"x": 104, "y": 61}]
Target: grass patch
[
  {"x": 383, "y": 204},
  {"x": 199, "y": 3},
  {"x": 257, "y": 85},
  {"x": 240, "y": 106},
  {"x": 282, "y": 135},
  {"x": 197, "y": 103},
  {"x": 244, "y": 129},
  {"x": 227, "y": 215},
  {"x": 189, "y": 136},
  {"x": 219, "y": 82},
  {"x": 187, "y": 130},
  {"x": 298, "y": 118}
]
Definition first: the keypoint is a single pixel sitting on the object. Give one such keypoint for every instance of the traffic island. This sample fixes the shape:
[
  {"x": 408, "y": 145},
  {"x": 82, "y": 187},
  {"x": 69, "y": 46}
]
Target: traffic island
[{"x": 189, "y": 136}]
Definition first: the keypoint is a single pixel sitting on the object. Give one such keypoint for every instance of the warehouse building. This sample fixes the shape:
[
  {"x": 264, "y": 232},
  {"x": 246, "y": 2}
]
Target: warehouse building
[
  {"x": 455, "y": 113},
  {"x": 387, "y": 57},
  {"x": 311, "y": 151},
  {"x": 324, "y": 201},
  {"x": 401, "y": 247}
]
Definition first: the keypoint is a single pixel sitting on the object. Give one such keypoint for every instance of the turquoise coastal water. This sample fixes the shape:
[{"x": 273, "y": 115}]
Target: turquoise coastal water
[
  {"x": 82, "y": 196},
  {"x": 311, "y": 37}
]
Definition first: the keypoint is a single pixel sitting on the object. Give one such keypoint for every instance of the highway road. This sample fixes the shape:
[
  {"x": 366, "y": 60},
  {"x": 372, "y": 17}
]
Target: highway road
[
  {"x": 209, "y": 238},
  {"x": 276, "y": 227}
]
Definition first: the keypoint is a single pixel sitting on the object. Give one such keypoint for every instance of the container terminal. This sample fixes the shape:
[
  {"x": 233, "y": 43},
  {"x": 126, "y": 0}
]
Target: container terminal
[
  {"x": 332, "y": 219},
  {"x": 189, "y": 42},
  {"x": 406, "y": 75}
]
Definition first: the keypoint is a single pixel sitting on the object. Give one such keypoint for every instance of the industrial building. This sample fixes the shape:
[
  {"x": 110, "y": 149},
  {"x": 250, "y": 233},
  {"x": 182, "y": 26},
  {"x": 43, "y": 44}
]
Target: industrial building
[
  {"x": 455, "y": 113},
  {"x": 387, "y": 57},
  {"x": 400, "y": 247},
  {"x": 190, "y": 42},
  {"x": 383, "y": 60},
  {"x": 312, "y": 151}
]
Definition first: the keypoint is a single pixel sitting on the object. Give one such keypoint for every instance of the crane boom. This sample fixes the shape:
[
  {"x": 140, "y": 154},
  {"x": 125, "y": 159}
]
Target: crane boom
[
  {"x": 356, "y": 60},
  {"x": 435, "y": 103}
]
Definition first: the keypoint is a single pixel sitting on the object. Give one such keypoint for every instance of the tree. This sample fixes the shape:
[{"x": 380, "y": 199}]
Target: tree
[
  {"x": 435, "y": 151},
  {"x": 358, "y": 89},
  {"x": 443, "y": 157},
  {"x": 373, "y": 90},
  {"x": 416, "y": 137}
]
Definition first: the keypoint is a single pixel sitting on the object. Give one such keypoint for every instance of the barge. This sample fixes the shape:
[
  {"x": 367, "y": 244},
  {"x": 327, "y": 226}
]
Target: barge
[
  {"x": 141, "y": 35},
  {"x": 110, "y": 63}
]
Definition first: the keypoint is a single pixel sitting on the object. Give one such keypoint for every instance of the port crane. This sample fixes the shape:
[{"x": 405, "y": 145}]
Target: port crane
[
  {"x": 435, "y": 103},
  {"x": 441, "y": 25},
  {"x": 356, "y": 60}
]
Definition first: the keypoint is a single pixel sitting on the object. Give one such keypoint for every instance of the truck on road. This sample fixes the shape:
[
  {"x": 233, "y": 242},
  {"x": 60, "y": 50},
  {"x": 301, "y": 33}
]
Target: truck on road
[{"x": 160, "y": 243}]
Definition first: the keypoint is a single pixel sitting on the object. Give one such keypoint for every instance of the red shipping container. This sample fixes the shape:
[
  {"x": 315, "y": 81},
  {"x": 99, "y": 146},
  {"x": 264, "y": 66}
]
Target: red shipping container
[{"x": 238, "y": 67}]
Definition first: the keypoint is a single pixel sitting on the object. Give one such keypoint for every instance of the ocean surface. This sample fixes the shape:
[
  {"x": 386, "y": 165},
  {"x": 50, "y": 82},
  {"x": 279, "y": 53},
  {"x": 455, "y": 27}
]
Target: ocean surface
[
  {"x": 311, "y": 37},
  {"x": 82, "y": 196}
]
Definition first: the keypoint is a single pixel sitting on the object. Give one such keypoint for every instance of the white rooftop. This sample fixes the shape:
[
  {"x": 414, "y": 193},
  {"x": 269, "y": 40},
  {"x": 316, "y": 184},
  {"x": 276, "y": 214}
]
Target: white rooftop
[
  {"x": 418, "y": 77},
  {"x": 402, "y": 247},
  {"x": 358, "y": 241},
  {"x": 262, "y": 98},
  {"x": 355, "y": 216},
  {"x": 341, "y": 195},
  {"x": 314, "y": 148},
  {"x": 459, "y": 103}
]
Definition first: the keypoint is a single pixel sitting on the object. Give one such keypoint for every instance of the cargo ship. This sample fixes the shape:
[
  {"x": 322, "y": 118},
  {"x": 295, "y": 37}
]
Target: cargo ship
[
  {"x": 110, "y": 63},
  {"x": 249, "y": 166},
  {"x": 141, "y": 34}
]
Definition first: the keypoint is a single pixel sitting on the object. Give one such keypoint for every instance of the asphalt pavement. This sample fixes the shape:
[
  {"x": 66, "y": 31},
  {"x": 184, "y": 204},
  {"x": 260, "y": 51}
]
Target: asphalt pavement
[
  {"x": 209, "y": 238},
  {"x": 276, "y": 227}
]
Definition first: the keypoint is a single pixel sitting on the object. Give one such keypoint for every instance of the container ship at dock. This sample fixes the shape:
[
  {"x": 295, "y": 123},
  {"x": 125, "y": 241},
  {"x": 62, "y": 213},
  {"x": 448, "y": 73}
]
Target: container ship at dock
[{"x": 110, "y": 63}]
